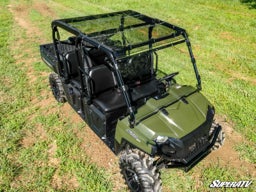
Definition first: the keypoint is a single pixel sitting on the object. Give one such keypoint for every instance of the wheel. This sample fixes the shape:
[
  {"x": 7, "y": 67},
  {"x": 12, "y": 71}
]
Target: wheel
[
  {"x": 57, "y": 88},
  {"x": 220, "y": 139},
  {"x": 139, "y": 172}
]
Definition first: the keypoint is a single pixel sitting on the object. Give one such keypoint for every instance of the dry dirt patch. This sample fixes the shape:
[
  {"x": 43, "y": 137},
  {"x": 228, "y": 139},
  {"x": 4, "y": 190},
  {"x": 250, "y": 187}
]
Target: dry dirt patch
[
  {"x": 227, "y": 155},
  {"x": 32, "y": 136},
  {"x": 21, "y": 16},
  {"x": 67, "y": 182},
  {"x": 44, "y": 10}
]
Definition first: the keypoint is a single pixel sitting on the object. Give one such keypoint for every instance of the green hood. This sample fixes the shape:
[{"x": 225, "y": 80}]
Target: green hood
[{"x": 176, "y": 115}]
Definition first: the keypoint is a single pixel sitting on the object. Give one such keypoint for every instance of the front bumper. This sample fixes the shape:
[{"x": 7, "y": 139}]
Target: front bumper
[{"x": 188, "y": 163}]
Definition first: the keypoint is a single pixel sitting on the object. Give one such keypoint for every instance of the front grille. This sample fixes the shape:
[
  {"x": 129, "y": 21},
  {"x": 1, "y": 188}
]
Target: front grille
[{"x": 194, "y": 148}]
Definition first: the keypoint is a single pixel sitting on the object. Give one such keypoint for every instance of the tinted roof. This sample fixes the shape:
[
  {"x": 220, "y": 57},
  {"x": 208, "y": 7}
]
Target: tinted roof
[{"x": 125, "y": 33}]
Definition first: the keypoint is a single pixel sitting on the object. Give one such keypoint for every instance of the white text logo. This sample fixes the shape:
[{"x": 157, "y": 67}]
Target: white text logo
[{"x": 229, "y": 184}]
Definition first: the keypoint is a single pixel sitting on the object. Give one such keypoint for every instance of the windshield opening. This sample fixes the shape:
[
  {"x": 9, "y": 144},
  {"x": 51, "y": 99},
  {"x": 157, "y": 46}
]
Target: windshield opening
[
  {"x": 142, "y": 67},
  {"x": 137, "y": 69},
  {"x": 177, "y": 59}
]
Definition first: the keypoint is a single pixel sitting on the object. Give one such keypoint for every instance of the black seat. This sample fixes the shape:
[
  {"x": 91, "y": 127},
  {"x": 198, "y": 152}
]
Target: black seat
[
  {"x": 73, "y": 62},
  {"x": 98, "y": 56},
  {"x": 105, "y": 94},
  {"x": 138, "y": 68},
  {"x": 143, "y": 90},
  {"x": 110, "y": 101},
  {"x": 139, "y": 75}
]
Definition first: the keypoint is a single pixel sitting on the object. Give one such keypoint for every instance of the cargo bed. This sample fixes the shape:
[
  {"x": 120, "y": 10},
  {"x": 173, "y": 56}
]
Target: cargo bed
[{"x": 48, "y": 53}]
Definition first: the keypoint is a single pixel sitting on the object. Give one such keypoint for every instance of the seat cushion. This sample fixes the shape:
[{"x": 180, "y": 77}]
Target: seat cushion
[
  {"x": 144, "y": 90},
  {"x": 110, "y": 100}
]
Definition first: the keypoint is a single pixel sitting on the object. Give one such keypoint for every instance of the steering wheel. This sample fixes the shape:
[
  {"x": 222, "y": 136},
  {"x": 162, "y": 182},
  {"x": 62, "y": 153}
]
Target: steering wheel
[{"x": 169, "y": 77}]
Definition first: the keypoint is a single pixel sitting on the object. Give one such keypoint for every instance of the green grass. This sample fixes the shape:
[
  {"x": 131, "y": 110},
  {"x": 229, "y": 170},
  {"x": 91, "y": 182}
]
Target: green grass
[
  {"x": 27, "y": 136},
  {"x": 199, "y": 178},
  {"x": 10, "y": 120},
  {"x": 42, "y": 152},
  {"x": 216, "y": 172}
]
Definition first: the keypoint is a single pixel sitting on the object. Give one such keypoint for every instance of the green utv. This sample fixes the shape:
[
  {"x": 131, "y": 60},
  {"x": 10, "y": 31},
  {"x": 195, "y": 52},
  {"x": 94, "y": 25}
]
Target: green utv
[{"x": 107, "y": 67}]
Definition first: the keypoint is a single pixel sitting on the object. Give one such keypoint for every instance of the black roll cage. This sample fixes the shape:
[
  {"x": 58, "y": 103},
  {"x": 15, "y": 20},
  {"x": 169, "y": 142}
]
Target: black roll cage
[{"x": 114, "y": 54}]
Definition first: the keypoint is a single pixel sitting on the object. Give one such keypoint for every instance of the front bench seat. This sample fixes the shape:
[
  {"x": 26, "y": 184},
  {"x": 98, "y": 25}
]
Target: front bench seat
[
  {"x": 105, "y": 94},
  {"x": 144, "y": 90},
  {"x": 138, "y": 74}
]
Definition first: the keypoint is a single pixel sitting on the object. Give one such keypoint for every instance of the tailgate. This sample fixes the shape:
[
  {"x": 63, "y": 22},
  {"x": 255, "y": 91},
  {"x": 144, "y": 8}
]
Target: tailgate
[{"x": 48, "y": 55}]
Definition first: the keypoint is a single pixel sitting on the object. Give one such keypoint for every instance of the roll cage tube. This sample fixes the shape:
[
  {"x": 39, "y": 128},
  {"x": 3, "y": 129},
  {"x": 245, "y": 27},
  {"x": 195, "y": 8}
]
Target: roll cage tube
[
  {"x": 56, "y": 37},
  {"x": 193, "y": 60},
  {"x": 124, "y": 91}
]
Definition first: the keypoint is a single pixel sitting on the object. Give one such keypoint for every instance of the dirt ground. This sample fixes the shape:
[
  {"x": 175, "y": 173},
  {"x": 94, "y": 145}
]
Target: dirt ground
[{"x": 92, "y": 145}]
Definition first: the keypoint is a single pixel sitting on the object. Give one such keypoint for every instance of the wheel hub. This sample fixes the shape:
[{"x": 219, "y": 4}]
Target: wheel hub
[{"x": 132, "y": 180}]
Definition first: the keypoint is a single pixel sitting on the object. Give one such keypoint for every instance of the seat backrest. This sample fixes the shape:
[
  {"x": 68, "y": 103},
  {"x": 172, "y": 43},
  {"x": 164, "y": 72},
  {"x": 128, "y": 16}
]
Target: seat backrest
[
  {"x": 73, "y": 62},
  {"x": 98, "y": 56},
  {"x": 102, "y": 79}
]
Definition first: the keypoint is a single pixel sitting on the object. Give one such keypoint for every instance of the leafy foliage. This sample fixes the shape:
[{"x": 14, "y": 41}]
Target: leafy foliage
[{"x": 251, "y": 3}]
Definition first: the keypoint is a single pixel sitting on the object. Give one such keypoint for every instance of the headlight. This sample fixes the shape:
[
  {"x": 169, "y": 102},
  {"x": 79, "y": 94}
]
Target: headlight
[
  {"x": 168, "y": 149},
  {"x": 169, "y": 146},
  {"x": 161, "y": 139}
]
